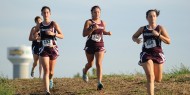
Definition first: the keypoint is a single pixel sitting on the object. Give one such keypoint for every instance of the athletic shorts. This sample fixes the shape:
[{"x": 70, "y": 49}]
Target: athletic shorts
[
  {"x": 92, "y": 50},
  {"x": 35, "y": 49},
  {"x": 51, "y": 52},
  {"x": 158, "y": 58}
]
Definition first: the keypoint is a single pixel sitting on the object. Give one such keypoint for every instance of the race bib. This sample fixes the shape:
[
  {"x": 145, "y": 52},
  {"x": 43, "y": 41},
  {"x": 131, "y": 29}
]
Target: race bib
[
  {"x": 96, "y": 37},
  {"x": 47, "y": 42},
  {"x": 150, "y": 43}
]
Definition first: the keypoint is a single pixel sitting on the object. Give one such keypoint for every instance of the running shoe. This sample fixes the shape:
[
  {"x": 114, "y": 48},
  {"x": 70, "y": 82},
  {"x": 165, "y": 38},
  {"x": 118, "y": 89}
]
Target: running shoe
[
  {"x": 48, "y": 93},
  {"x": 84, "y": 77},
  {"x": 100, "y": 86},
  {"x": 51, "y": 84},
  {"x": 32, "y": 73}
]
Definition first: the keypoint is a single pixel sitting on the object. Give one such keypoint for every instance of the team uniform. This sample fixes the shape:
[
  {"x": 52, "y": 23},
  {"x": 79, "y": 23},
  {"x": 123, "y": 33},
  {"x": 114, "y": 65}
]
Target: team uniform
[
  {"x": 95, "y": 41},
  {"x": 151, "y": 48},
  {"x": 35, "y": 46},
  {"x": 48, "y": 44}
]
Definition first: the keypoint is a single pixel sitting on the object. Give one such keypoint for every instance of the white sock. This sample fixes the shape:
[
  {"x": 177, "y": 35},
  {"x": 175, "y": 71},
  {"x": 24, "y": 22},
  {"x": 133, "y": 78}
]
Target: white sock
[{"x": 99, "y": 82}]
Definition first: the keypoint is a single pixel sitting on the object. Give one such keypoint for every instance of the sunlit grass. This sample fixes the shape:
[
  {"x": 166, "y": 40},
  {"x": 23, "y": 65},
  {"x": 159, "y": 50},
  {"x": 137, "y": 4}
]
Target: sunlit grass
[
  {"x": 175, "y": 81},
  {"x": 5, "y": 87}
]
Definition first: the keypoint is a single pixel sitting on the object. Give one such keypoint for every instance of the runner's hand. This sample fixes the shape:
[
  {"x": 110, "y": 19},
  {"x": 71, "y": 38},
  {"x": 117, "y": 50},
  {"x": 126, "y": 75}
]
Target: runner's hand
[
  {"x": 138, "y": 40},
  {"x": 50, "y": 32},
  {"x": 95, "y": 27},
  {"x": 155, "y": 33},
  {"x": 109, "y": 33}
]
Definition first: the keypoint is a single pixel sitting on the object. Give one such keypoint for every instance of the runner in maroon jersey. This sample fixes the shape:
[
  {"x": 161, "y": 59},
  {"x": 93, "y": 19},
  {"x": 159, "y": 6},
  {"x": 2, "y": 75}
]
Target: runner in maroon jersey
[
  {"x": 152, "y": 57},
  {"x": 49, "y": 30},
  {"x": 35, "y": 48},
  {"x": 95, "y": 29}
]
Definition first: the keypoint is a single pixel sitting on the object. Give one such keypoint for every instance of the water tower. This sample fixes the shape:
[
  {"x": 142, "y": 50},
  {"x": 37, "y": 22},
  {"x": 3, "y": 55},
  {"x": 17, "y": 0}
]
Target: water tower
[{"x": 20, "y": 57}]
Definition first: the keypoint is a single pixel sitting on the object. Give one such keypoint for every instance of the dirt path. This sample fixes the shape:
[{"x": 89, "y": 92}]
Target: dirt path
[{"x": 113, "y": 85}]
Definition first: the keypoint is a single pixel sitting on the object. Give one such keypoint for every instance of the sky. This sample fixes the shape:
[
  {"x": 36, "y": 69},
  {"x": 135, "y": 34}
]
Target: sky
[{"x": 122, "y": 17}]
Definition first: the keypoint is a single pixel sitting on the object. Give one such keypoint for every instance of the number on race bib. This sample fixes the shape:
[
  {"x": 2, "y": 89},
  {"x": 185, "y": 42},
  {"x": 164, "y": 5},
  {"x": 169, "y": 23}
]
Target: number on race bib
[
  {"x": 47, "y": 42},
  {"x": 150, "y": 43},
  {"x": 96, "y": 37}
]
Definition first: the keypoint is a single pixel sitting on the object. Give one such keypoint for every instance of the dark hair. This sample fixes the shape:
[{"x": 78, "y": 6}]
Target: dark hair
[
  {"x": 94, "y": 7},
  {"x": 45, "y": 7},
  {"x": 36, "y": 18},
  {"x": 155, "y": 10}
]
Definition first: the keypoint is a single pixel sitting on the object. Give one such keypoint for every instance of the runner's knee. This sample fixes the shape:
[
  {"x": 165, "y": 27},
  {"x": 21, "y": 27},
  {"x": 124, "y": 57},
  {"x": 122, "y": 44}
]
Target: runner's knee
[
  {"x": 90, "y": 64},
  {"x": 150, "y": 77},
  {"x": 158, "y": 80}
]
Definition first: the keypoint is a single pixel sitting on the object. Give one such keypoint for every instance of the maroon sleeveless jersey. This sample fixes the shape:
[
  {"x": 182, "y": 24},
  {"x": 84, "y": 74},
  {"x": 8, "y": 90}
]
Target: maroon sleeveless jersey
[
  {"x": 151, "y": 43},
  {"x": 47, "y": 38},
  {"x": 96, "y": 38}
]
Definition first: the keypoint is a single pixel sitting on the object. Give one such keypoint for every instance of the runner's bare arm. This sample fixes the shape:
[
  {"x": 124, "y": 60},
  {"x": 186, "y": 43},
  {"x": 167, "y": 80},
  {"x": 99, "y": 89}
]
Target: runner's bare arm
[
  {"x": 31, "y": 38},
  {"x": 86, "y": 30},
  {"x": 59, "y": 32},
  {"x": 164, "y": 36},
  {"x": 35, "y": 35},
  {"x": 105, "y": 32},
  {"x": 135, "y": 37}
]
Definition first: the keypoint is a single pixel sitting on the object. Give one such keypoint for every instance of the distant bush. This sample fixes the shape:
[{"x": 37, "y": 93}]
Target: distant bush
[
  {"x": 77, "y": 75},
  {"x": 180, "y": 70},
  {"x": 177, "y": 72},
  {"x": 90, "y": 74}
]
